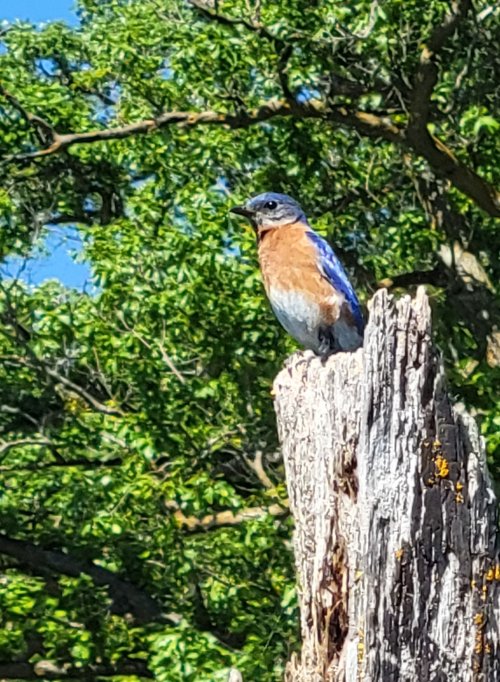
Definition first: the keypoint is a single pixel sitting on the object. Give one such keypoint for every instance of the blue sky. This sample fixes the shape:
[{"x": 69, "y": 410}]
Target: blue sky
[
  {"x": 37, "y": 10},
  {"x": 54, "y": 260},
  {"x": 61, "y": 246}
]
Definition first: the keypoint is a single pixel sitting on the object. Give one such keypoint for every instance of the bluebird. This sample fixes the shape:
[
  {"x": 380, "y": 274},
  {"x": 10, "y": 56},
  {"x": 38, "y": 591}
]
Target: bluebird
[{"x": 307, "y": 286}]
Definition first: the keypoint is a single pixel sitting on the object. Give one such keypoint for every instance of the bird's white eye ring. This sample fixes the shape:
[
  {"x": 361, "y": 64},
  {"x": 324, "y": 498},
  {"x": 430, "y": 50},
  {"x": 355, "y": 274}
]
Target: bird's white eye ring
[{"x": 271, "y": 205}]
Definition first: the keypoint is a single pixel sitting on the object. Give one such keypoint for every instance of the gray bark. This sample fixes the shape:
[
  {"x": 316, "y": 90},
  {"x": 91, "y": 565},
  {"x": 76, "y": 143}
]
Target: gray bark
[{"x": 396, "y": 530}]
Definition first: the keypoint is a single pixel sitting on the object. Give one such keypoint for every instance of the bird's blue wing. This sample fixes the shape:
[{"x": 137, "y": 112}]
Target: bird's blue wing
[{"x": 334, "y": 272}]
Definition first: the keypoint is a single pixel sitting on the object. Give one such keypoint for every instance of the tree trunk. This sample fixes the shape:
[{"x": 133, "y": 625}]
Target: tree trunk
[{"x": 396, "y": 529}]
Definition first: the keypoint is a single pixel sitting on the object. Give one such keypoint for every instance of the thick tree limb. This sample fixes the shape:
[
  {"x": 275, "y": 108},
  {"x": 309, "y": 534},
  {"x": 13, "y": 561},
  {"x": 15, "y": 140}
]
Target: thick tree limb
[
  {"x": 184, "y": 118},
  {"x": 427, "y": 73},
  {"x": 49, "y": 670},
  {"x": 420, "y": 140},
  {"x": 439, "y": 157},
  {"x": 446, "y": 164},
  {"x": 126, "y": 597},
  {"x": 365, "y": 123}
]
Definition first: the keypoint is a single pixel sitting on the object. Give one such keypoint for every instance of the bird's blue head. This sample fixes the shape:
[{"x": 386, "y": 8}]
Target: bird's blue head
[{"x": 270, "y": 210}]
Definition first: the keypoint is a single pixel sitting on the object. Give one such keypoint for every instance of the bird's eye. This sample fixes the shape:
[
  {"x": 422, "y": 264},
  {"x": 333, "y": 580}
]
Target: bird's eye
[{"x": 270, "y": 205}]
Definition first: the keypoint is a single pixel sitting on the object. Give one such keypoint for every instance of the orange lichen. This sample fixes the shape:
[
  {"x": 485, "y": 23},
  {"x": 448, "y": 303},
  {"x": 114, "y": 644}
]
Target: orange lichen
[
  {"x": 442, "y": 467},
  {"x": 479, "y": 622}
]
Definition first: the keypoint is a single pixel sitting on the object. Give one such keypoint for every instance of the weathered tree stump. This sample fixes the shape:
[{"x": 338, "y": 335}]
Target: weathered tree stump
[{"x": 396, "y": 539}]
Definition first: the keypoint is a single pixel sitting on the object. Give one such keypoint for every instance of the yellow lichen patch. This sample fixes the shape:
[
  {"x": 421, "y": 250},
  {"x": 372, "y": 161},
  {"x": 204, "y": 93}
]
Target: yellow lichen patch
[
  {"x": 399, "y": 553},
  {"x": 459, "y": 498},
  {"x": 497, "y": 572},
  {"x": 459, "y": 486},
  {"x": 479, "y": 622},
  {"x": 490, "y": 575},
  {"x": 442, "y": 467},
  {"x": 361, "y": 647}
]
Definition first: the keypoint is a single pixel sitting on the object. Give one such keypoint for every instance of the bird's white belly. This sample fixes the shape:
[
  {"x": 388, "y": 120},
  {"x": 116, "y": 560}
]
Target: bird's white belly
[{"x": 299, "y": 315}]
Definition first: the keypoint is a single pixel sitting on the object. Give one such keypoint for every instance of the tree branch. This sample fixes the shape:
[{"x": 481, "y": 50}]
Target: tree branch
[
  {"x": 87, "y": 463},
  {"x": 445, "y": 164},
  {"x": 436, "y": 277},
  {"x": 43, "y": 130},
  {"x": 193, "y": 524},
  {"x": 368, "y": 124},
  {"x": 52, "y": 375},
  {"x": 40, "y": 442},
  {"x": 97, "y": 405},
  {"x": 125, "y": 597},
  {"x": 225, "y": 20},
  {"x": 257, "y": 467},
  {"x": 428, "y": 72},
  {"x": 159, "y": 344},
  {"x": 284, "y": 48},
  {"x": 49, "y": 670},
  {"x": 185, "y": 118},
  {"x": 439, "y": 157}
]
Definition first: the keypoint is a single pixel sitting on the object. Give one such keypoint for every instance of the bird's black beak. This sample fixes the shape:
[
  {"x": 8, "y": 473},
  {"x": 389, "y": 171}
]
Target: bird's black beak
[{"x": 241, "y": 210}]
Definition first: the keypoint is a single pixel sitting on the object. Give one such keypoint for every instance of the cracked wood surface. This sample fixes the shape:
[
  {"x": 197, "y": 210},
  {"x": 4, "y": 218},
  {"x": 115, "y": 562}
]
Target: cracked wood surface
[{"x": 396, "y": 540}]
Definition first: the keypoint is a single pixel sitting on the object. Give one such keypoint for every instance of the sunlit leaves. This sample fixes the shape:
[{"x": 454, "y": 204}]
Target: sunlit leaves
[{"x": 176, "y": 345}]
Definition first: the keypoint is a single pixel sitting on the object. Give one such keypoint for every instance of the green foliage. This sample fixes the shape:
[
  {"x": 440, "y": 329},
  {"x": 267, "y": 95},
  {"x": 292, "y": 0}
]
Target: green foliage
[{"x": 135, "y": 416}]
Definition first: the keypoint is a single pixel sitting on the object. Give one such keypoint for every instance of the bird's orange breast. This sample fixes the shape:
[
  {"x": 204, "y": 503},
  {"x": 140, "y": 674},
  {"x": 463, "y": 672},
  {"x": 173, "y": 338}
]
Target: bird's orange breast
[{"x": 288, "y": 262}]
